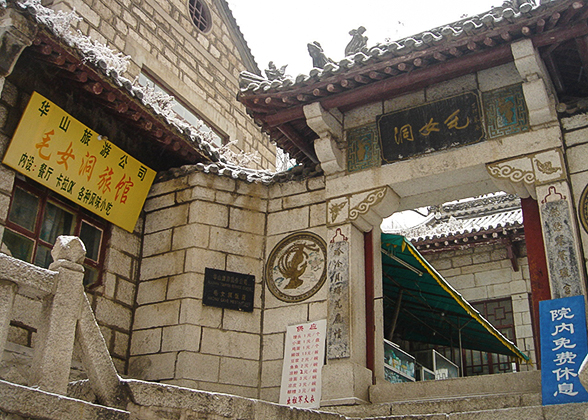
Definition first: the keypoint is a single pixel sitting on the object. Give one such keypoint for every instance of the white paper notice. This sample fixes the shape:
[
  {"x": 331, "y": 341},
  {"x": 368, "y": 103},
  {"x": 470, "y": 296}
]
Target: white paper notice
[{"x": 304, "y": 353}]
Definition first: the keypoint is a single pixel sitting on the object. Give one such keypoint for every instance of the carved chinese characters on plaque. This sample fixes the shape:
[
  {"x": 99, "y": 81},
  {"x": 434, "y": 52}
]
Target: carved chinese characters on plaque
[
  {"x": 559, "y": 240},
  {"x": 296, "y": 268},
  {"x": 338, "y": 304},
  {"x": 434, "y": 126}
]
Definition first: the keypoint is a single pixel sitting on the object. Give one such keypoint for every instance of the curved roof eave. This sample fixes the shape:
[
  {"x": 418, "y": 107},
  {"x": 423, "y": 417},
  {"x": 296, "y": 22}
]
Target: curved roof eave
[{"x": 388, "y": 70}]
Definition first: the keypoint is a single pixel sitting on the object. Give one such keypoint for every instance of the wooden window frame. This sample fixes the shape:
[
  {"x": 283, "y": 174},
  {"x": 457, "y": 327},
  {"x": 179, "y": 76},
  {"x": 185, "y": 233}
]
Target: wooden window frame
[{"x": 80, "y": 216}]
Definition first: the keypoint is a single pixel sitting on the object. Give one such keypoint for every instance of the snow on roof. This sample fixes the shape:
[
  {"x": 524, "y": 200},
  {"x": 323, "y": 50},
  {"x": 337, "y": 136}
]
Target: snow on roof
[
  {"x": 112, "y": 64},
  {"x": 474, "y": 215},
  {"x": 463, "y": 28}
]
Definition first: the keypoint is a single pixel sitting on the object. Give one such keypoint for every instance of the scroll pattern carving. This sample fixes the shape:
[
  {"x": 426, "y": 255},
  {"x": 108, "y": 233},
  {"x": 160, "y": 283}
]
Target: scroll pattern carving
[
  {"x": 503, "y": 170},
  {"x": 368, "y": 202}
]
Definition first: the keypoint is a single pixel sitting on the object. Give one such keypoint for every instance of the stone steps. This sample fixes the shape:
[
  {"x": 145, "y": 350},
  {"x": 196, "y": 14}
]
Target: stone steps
[
  {"x": 554, "y": 412},
  {"x": 486, "y": 407}
]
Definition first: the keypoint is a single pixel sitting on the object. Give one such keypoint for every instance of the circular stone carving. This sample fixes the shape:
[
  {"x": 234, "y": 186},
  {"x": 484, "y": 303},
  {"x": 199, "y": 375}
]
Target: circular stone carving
[
  {"x": 583, "y": 208},
  {"x": 297, "y": 267}
]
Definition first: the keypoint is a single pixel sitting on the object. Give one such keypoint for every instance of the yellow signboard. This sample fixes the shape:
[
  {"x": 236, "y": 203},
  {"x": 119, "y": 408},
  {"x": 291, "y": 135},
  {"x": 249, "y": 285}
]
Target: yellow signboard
[{"x": 59, "y": 152}]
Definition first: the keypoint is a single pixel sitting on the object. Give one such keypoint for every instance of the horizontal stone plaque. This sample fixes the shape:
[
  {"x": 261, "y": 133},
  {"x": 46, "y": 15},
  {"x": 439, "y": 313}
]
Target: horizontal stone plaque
[
  {"x": 434, "y": 126},
  {"x": 225, "y": 289}
]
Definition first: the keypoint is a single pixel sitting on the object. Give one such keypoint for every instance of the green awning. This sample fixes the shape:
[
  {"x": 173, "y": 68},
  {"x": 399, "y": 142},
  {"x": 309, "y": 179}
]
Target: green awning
[{"x": 431, "y": 310}]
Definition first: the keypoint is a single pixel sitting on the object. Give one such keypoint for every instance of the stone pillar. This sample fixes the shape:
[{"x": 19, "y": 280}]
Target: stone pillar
[
  {"x": 543, "y": 177},
  {"x": 562, "y": 242},
  {"x": 96, "y": 360},
  {"x": 7, "y": 294},
  {"x": 346, "y": 379},
  {"x": 53, "y": 352}
]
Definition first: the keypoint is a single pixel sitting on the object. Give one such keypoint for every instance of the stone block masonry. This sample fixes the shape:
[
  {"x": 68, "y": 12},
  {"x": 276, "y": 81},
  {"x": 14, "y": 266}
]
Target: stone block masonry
[
  {"x": 225, "y": 224},
  {"x": 201, "y": 69},
  {"x": 484, "y": 273}
]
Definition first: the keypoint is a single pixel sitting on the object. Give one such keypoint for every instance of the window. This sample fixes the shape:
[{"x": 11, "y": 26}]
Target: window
[
  {"x": 182, "y": 112},
  {"x": 500, "y": 314},
  {"x": 37, "y": 217},
  {"x": 200, "y": 15}
]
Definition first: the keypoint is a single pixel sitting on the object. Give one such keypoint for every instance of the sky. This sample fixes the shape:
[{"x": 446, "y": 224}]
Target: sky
[{"x": 278, "y": 30}]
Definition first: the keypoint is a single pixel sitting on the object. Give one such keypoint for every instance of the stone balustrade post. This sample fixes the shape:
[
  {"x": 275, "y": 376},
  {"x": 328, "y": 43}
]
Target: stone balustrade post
[{"x": 61, "y": 311}]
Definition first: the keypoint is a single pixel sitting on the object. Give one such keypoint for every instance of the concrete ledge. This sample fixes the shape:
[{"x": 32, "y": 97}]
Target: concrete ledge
[
  {"x": 174, "y": 401},
  {"x": 522, "y": 382},
  {"x": 36, "y": 404}
]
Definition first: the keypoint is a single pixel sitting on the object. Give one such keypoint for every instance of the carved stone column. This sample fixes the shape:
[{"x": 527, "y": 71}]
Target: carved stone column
[
  {"x": 543, "y": 177},
  {"x": 346, "y": 379}
]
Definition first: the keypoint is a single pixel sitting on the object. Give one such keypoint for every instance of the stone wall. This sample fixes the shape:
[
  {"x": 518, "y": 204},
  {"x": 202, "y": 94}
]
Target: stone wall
[
  {"x": 483, "y": 273},
  {"x": 199, "y": 221},
  {"x": 201, "y": 69},
  {"x": 194, "y": 222},
  {"x": 292, "y": 207}
]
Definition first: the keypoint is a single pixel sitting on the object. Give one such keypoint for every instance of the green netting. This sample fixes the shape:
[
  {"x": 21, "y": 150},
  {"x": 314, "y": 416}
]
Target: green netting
[{"x": 431, "y": 310}]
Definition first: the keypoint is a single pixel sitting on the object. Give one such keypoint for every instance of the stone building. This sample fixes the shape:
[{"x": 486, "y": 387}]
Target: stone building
[
  {"x": 94, "y": 65},
  {"x": 460, "y": 111}
]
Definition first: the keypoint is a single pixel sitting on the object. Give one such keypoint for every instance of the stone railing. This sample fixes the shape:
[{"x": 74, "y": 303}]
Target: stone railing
[{"x": 66, "y": 316}]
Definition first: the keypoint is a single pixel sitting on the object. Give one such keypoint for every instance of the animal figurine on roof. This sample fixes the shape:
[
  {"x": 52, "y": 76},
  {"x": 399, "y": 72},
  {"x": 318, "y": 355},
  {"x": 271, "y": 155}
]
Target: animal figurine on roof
[
  {"x": 358, "y": 41},
  {"x": 273, "y": 73},
  {"x": 319, "y": 59}
]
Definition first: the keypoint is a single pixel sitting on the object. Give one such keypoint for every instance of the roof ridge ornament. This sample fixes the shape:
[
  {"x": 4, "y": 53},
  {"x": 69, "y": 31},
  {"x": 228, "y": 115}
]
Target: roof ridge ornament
[
  {"x": 358, "y": 41},
  {"x": 319, "y": 59},
  {"x": 273, "y": 73}
]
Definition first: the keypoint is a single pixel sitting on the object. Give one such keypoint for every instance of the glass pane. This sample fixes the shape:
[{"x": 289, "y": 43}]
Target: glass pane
[
  {"x": 90, "y": 275},
  {"x": 43, "y": 257},
  {"x": 24, "y": 209},
  {"x": 56, "y": 221},
  {"x": 19, "y": 246},
  {"x": 91, "y": 237}
]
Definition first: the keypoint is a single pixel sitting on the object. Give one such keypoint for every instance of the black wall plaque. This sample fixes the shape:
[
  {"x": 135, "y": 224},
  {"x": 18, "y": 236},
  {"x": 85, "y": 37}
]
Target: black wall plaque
[
  {"x": 434, "y": 126},
  {"x": 225, "y": 289}
]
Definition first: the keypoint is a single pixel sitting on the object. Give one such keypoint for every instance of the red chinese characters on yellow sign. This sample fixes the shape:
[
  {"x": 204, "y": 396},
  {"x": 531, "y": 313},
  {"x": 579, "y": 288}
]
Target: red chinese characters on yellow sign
[{"x": 56, "y": 150}]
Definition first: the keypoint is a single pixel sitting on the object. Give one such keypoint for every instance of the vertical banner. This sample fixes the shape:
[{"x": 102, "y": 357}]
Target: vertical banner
[
  {"x": 563, "y": 348},
  {"x": 304, "y": 353}
]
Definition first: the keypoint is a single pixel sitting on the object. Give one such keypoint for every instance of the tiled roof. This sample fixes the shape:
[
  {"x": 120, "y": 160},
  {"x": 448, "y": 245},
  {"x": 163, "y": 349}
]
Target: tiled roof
[
  {"x": 493, "y": 214},
  {"x": 265, "y": 177},
  {"x": 463, "y": 29},
  {"x": 88, "y": 57},
  {"x": 388, "y": 70}
]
